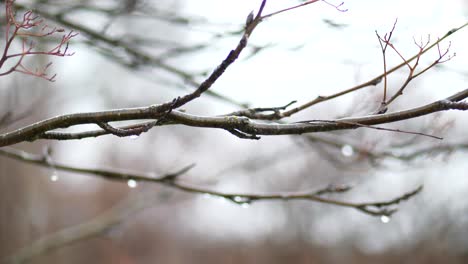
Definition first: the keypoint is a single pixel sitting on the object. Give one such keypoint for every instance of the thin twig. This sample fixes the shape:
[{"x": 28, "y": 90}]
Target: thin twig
[
  {"x": 372, "y": 82},
  {"x": 371, "y": 127}
]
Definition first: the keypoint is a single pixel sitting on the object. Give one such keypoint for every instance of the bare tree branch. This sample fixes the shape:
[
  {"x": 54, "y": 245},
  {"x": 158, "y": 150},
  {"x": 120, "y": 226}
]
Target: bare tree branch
[
  {"x": 139, "y": 56},
  {"x": 373, "y": 82},
  {"x": 242, "y": 124},
  {"x": 171, "y": 180},
  {"x": 246, "y": 124},
  {"x": 94, "y": 227}
]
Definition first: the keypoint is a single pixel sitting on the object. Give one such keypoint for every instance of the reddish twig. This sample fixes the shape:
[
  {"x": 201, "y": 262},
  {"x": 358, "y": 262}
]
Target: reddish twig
[
  {"x": 422, "y": 46},
  {"x": 383, "y": 42},
  {"x": 30, "y": 26}
]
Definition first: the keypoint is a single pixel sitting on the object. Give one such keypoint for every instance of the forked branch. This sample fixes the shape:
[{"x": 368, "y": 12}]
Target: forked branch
[{"x": 28, "y": 27}]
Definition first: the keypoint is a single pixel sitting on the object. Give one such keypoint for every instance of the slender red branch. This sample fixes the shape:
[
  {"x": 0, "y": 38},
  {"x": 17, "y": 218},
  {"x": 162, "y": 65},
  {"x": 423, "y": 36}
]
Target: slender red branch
[{"x": 30, "y": 26}]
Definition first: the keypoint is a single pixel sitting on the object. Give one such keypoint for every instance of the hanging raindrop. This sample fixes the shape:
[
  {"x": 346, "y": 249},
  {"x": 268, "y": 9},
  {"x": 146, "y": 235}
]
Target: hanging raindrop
[
  {"x": 132, "y": 183},
  {"x": 245, "y": 205},
  {"x": 237, "y": 199},
  {"x": 240, "y": 199},
  {"x": 385, "y": 219},
  {"x": 54, "y": 177},
  {"x": 134, "y": 137},
  {"x": 243, "y": 201},
  {"x": 347, "y": 150}
]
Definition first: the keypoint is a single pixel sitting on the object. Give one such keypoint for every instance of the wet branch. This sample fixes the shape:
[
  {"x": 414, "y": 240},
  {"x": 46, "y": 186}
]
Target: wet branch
[
  {"x": 171, "y": 180},
  {"x": 44, "y": 129}
]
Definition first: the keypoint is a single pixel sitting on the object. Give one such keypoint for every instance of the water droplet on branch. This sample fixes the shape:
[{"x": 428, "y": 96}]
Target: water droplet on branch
[
  {"x": 243, "y": 201},
  {"x": 347, "y": 150},
  {"x": 54, "y": 177},
  {"x": 245, "y": 205},
  {"x": 132, "y": 183},
  {"x": 385, "y": 219}
]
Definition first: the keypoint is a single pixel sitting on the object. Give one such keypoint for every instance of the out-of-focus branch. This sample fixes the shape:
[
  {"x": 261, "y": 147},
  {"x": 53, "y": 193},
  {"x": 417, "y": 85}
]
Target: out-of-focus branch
[
  {"x": 231, "y": 57},
  {"x": 405, "y": 153},
  {"x": 138, "y": 56},
  {"x": 97, "y": 226},
  {"x": 337, "y": 7},
  {"x": 171, "y": 180},
  {"x": 44, "y": 160},
  {"x": 432, "y": 150},
  {"x": 135, "y": 203}
]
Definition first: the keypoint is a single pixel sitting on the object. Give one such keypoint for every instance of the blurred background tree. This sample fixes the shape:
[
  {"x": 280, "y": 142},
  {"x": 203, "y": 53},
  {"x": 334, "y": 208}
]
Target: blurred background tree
[{"x": 134, "y": 53}]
